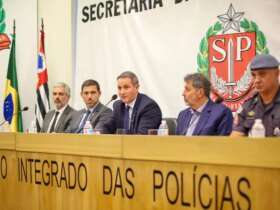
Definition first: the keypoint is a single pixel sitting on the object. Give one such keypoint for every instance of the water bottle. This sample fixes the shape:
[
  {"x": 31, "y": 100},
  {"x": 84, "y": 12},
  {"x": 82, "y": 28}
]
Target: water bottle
[
  {"x": 276, "y": 132},
  {"x": 88, "y": 128},
  {"x": 32, "y": 127},
  {"x": 163, "y": 128},
  {"x": 258, "y": 129}
]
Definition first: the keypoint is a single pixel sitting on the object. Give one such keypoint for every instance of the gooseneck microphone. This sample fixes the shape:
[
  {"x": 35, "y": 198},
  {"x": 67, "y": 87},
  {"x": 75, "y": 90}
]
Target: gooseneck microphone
[
  {"x": 114, "y": 97},
  {"x": 22, "y": 110}
]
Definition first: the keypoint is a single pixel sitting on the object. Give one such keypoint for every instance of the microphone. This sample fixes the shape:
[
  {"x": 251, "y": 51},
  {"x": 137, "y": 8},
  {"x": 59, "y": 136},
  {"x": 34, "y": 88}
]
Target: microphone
[
  {"x": 114, "y": 97},
  {"x": 22, "y": 110},
  {"x": 219, "y": 100}
]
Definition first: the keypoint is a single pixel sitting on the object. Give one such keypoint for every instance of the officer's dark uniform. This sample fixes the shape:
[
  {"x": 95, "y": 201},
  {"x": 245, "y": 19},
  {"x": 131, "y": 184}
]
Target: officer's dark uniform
[{"x": 254, "y": 107}]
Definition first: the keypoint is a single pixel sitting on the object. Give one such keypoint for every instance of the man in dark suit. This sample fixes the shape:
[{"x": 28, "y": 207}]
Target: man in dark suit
[
  {"x": 203, "y": 116},
  {"x": 95, "y": 112},
  {"x": 134, "y": 112},
  {"x": 58, "y": 119}
]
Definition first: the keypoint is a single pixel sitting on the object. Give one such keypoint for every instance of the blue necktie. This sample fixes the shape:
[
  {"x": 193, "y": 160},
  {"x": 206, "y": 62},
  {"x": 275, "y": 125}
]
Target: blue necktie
[
  {"x": 126, "y": 118},
  {"x": 82, "y": 125}
]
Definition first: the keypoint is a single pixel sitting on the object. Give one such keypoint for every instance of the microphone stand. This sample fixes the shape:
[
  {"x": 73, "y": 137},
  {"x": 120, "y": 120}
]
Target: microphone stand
[{"x": 20, "y": 111}]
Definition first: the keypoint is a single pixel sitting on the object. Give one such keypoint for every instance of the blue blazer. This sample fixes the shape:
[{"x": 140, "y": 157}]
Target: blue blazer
[
  {"x": 146, "y": 115},
  {"x": 215, "y": 119}
]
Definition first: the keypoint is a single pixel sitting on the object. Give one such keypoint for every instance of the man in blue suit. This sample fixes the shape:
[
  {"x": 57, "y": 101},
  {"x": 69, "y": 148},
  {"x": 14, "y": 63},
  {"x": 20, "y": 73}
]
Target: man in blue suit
[
  {"x": 203, "y": 117},
  {"x": 134, "y": 112}
]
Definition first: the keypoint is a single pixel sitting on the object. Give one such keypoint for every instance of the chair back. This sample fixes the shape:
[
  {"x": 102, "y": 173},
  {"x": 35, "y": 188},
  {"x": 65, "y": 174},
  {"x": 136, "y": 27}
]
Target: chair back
[{"x": 171, "y": 123}]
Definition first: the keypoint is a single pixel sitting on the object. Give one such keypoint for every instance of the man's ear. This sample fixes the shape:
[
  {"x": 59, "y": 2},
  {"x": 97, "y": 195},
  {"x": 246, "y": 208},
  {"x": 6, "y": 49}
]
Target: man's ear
[
  {"x": 278, "y": 72},
  {"x": 201, "y": 92}
]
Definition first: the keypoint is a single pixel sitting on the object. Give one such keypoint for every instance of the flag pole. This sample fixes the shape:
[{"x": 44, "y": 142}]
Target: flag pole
[
  {"x": 42, "y": 35},
  {"x": 14, "y": 27},
  {"x": 42, "y": 24},
  {"x": 42, "y": 90}
]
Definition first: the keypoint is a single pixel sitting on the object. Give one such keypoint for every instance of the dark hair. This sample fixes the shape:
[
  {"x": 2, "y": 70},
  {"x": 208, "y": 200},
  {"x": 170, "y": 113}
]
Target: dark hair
[
  {"x": 199, "y": 81},
  {"x": 90, "y": 82},
  {"x": 131, "y": 75}
]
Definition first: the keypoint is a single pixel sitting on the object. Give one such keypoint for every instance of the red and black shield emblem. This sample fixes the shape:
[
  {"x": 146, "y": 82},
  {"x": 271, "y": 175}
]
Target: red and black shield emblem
[{"x": 229, "y": 73}]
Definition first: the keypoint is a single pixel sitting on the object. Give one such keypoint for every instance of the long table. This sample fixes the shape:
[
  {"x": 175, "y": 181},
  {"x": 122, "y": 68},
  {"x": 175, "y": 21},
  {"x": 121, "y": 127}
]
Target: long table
[{"x": 123, "y": 172}]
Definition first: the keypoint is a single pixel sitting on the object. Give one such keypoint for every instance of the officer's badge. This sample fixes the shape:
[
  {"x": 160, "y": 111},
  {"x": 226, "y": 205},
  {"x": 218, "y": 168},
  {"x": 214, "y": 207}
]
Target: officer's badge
[{"x": 251, "y": 114}]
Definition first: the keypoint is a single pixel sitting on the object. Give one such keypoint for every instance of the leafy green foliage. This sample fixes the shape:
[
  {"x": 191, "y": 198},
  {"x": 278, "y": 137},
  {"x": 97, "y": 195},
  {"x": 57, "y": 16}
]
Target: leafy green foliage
[
  {"x": 2, "y": 27},
  {"x": 202, "y": 57},
  {"x": 2, "y": 18}
]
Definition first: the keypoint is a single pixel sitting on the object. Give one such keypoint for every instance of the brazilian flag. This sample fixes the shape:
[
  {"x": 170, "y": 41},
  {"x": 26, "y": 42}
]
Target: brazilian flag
[{"x": 12, "y": 113}]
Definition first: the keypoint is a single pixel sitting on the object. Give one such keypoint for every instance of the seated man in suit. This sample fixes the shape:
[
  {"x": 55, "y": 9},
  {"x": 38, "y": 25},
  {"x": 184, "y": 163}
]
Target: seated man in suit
[
  {"x": 58, "y": 119},
  {"x": 95, "y": 112},
  {"x": 135, "y": 111},
  {"x": 203, "y": 116}
]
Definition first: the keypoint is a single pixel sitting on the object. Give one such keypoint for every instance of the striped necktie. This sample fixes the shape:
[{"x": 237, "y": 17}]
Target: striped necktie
[{"x": 193, "y": 123}]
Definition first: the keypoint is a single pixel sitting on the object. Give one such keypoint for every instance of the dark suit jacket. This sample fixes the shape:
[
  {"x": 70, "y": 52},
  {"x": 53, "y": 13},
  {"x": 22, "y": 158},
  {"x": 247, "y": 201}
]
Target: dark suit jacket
[
  {"x": 215, "y": 119},
  {"x": 100, "y": 115},
  {"x": 63, "y": 122},
  {"x": 146, "y": 115}
]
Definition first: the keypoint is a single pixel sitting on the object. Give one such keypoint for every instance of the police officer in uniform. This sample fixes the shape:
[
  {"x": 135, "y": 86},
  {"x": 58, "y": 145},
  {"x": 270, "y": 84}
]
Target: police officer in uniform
[{"x": 265, "y": 104}]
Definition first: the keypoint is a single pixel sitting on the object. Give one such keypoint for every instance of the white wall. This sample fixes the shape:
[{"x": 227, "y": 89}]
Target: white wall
[
  {"x": 25, "y": 16},
  {"x": 57, "y": 16}
]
